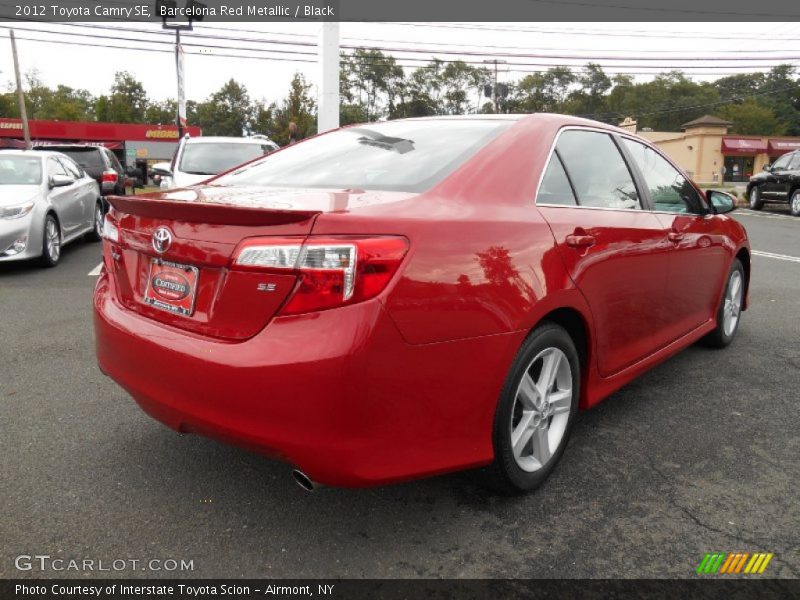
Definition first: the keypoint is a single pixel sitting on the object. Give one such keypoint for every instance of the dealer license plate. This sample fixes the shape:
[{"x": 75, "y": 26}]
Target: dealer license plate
[{"x": 171, "y": 286}]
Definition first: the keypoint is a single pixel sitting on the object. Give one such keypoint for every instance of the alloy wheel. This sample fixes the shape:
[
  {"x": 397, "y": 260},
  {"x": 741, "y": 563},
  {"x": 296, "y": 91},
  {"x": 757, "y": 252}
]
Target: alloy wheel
[
  {"x": 796, "y": 203},
  {"x": 733, "y": 303},
  {"x": 53, "y": 240},
  {"x": 541, "y": 409},
  {"x": 98, "y": 220},
  {"x": 753, "y": 198}
]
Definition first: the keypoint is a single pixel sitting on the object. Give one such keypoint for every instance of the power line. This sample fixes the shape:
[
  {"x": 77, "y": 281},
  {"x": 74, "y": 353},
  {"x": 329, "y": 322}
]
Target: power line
[
  {"x": 628, "y": 33},
  {"x": 687, "y": 11},
  {"x": 481, "y": 55},
  {"x": 455, "y": 48}
]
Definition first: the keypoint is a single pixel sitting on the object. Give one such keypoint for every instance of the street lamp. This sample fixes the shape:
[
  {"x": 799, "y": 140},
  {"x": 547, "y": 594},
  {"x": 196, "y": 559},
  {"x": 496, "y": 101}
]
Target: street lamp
[{"x": 195, "y": 11}]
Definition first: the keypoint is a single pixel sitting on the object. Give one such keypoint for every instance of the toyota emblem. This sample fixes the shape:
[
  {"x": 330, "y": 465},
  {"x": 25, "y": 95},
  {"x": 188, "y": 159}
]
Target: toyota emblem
[{"x": 162, "y": 238}]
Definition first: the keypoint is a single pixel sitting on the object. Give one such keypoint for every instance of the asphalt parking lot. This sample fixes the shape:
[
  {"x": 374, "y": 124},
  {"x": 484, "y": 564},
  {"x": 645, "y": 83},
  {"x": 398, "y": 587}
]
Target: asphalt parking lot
[{"x": 699, "y": 455}]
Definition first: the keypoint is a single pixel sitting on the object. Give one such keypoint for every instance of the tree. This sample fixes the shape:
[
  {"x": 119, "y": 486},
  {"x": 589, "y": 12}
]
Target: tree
[
  {"x": 543, "y": 92},
  {"x": 227, "y": 111},
  {"x": 297, "y": 107},
  {"x": 752, "y": 118},
  {"x": 127, "y": 101}
]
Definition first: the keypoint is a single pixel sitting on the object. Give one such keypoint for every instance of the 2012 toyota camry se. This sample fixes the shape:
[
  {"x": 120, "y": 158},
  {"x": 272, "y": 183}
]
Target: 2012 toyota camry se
[{"x": 402, "y": 299}]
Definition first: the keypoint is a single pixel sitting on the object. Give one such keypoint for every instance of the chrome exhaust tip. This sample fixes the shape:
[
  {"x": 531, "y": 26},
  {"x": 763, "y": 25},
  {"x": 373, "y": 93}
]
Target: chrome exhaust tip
[{"x": 304, "y": 481}]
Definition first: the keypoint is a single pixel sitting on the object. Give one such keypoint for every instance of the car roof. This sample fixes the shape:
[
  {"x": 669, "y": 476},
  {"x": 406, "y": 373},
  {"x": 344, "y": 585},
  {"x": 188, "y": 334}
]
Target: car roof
[
  {"x": 228, "y": 140},
  {"x": 15, "y": 152}
]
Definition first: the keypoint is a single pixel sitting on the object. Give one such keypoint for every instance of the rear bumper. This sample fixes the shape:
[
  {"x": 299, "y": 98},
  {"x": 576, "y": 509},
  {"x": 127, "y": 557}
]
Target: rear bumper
[{"x": 338, "y": 394}]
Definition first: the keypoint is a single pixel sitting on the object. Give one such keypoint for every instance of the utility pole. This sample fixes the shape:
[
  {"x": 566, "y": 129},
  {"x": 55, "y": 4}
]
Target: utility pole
[
  {"x": 23, "y": 113},
  {"x": 328, "y": 116},
  {"x": 164, "y": 8},
  {"x": 494, "y": 87}
]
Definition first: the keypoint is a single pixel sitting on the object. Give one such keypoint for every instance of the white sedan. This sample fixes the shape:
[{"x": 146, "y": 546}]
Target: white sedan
[{"x": 46, "y": 201}]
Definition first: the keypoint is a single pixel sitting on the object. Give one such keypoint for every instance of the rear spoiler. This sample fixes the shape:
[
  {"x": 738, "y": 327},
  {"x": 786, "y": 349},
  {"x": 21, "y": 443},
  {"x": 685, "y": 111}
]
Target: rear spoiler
[{"x": 207, "y": 212}]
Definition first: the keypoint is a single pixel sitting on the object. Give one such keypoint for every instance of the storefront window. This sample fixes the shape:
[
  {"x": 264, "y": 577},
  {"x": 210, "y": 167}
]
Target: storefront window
[{"x": 738, "y": 168}]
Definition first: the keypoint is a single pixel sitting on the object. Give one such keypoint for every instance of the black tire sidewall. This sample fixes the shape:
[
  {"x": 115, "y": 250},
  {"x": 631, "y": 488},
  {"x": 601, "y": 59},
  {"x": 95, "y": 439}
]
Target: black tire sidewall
[
  {"x": 791, "y": 204},
  {"x": 719, "y": 333},
  {"x": 757, "y": 203},
  {"x": 93, "y": 235},
  {"x": 507, "y": 472}
]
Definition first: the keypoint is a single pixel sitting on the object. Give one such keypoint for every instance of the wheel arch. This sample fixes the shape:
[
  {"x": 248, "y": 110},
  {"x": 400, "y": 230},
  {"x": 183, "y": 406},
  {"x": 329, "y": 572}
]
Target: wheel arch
[
  {"x": 744, "y": 257},
  {"x": 577, "y": 325}
]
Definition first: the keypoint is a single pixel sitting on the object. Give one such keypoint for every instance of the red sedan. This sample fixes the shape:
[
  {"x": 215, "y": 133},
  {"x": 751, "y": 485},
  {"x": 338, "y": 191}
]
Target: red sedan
[{"x": 402, "y": 299}]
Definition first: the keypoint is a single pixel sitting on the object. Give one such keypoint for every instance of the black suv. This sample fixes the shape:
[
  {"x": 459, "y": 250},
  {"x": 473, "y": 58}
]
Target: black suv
[
  {"x": 780, "y": 182},
  {"x": 98, "y": 162}
]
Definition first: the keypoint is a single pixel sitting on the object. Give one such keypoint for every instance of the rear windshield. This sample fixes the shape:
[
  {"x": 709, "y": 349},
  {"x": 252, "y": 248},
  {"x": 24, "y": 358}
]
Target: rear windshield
[
  {"x": 407, "y": 156},
  {"x": 88, "y": 158},
  {"x": 213, "y": 158},
  {"x": 20, "y": 170}
]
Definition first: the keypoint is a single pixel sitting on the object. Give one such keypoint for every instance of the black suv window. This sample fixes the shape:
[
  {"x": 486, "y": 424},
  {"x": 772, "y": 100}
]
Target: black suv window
[
  {"x": 782, "y": 163},
  {"x": 795, "y": 164},
  {"x": 88, "y": 158},
  {"x": 597, "y": 170},
  {"x": 669, "y": 190}
]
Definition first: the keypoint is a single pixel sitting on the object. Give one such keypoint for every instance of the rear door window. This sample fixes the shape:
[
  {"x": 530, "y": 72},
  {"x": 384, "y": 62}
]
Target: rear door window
[
  {"x": 669, "y": 190},
  {"x": 597, "y": 170},
  {"x": 555, "y": 187}
]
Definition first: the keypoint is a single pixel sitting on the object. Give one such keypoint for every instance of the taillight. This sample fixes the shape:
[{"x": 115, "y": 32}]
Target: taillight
[
  {"x": 109, "y": 176},
  {"x": 332, "y": 271}
]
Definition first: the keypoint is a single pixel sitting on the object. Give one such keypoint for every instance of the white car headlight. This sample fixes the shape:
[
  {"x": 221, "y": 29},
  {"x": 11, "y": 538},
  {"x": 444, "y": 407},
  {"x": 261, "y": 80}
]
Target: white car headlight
[{"x": 17, "y": 211}]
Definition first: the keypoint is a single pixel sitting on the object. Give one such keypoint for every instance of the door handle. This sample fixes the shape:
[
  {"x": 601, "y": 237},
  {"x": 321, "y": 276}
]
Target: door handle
[
  {"x": 674, "y": 236},
  {"x": 580, "y": 241}
]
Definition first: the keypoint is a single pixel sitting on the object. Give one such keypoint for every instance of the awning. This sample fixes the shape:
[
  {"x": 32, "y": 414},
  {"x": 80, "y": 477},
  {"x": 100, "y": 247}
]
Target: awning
[
  {"x": 778, "y": 147},
  {"x": 743, "y": 146}
]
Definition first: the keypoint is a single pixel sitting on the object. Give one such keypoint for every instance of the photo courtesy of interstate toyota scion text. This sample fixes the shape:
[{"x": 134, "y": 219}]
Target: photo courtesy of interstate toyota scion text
[{"x": 402, "y": 299}]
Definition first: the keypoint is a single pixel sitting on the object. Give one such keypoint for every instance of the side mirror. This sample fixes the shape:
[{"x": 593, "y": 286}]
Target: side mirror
[
  {"x": 61, "y": 181},
  {"x": 162, "y": 169},
  {"x": 767, "y": 167},
  {"x": 721, "y": 201}
]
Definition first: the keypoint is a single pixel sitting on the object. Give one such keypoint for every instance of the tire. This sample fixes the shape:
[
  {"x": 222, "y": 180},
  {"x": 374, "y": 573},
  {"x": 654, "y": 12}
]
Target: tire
[
  {"x": 794, "y": 203},
  {"x": 756, "y": 203},
  {"x": 96, "y": 234},
  {"x": 521, "y": 415},
  {"x": 51, "y": 242},
  {"x": 730, "y": 308}
]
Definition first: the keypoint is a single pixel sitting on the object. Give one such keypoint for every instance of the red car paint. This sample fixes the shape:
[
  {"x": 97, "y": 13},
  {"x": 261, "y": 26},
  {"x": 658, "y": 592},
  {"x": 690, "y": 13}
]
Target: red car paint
[{"x": 404, "y": 384}]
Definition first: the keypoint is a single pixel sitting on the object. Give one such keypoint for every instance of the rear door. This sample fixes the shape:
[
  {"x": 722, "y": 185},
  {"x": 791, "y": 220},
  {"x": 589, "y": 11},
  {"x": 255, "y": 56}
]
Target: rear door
[
  {"x": 698, "y": 259},
  {"x": 84, "y": 188},
  {"x": 65, "y": 199},
  {"x": 615, "y": 251}
]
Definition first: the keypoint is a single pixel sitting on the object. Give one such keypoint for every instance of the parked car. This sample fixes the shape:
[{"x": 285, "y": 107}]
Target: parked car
[
  {"x": 198, "y": 159},
  {"x": 98, "y": 161},
  {"x": 778, "y": 183},
  {"x": 407, "y": 298},
  {"x": 46, "y": 201}
]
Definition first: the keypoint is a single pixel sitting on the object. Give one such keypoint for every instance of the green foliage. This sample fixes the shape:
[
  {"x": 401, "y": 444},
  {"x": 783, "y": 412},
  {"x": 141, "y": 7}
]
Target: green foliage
[
  {"x": 752, "y": 118},
  {"x": 299, "y": 108},
  {"x": 373, "y": 86},
  {"x": 228, "y": 111}
]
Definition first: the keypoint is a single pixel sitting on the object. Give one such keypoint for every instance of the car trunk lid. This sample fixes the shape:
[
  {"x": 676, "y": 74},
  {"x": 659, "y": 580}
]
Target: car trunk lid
[{"x": 185, "y": 277}]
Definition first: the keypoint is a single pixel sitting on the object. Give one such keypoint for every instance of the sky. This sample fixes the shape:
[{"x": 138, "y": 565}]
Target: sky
[{"x": 270, "y": 53}]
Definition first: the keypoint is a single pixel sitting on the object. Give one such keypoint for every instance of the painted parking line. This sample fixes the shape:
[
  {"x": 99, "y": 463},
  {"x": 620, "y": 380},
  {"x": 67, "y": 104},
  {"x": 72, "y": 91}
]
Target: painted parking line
[
  {"x": 777, "y": 256},
  {"x": 746, "y": 212},
  {"x": 96, "y": 271}
]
